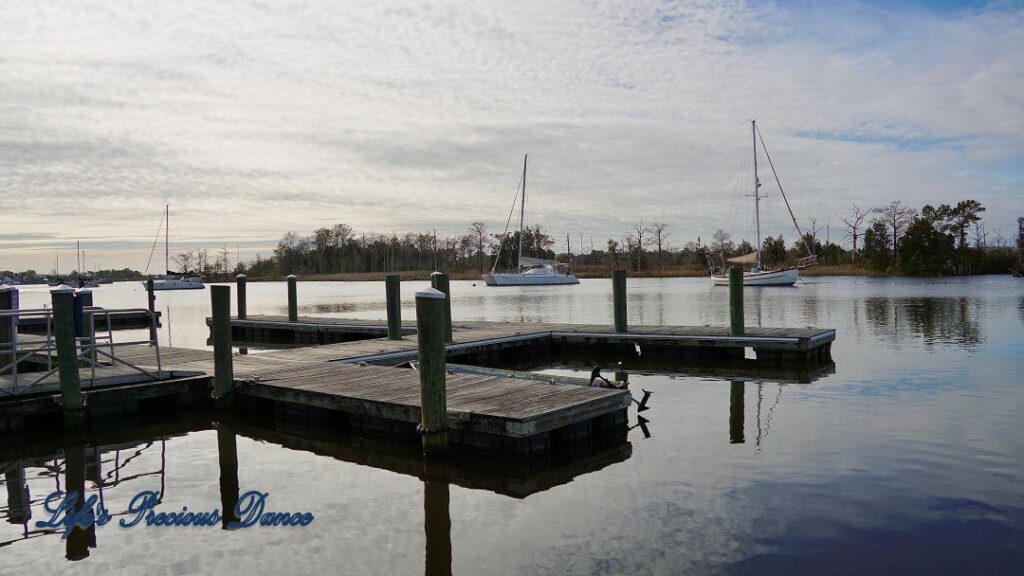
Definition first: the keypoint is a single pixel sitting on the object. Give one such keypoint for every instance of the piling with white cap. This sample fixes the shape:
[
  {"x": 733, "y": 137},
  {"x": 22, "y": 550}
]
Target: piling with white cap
[
  {"x": 430, "y": 333},
  {"x": 293, "y": 299},
  {"x": 63, "y": 302}
]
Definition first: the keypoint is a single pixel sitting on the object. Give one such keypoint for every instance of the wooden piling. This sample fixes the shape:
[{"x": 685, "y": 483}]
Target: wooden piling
[
  {"x": 88, "y": 332},
  {"x": 7, "y": 327},
  {"x": 430, "y": 333},
  {"x": 223, "y": 369},
  {"x": 736, "y": 301},
  {"x": 293, "y": 299},
  {"x": 240, "y": 294},
  {"x": 619, "y": 300},
  {"x": 151, "y": 304},
  {"x": 63, "y": 303},
  {"x": 439, "y": 281},
  {"x": 392, "y": 287}
]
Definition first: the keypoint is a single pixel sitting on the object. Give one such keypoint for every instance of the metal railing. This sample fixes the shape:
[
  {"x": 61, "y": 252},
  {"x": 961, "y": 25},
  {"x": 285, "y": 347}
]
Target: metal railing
[{"x": 92, "y": 348}]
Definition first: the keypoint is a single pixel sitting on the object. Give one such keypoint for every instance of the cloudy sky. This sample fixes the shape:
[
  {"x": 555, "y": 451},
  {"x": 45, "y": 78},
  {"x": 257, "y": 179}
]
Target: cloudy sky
[{"x": 253, "y": 118}]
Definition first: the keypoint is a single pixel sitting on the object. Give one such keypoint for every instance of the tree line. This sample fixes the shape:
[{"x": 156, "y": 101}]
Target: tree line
[{"x": 894, "y": 238}]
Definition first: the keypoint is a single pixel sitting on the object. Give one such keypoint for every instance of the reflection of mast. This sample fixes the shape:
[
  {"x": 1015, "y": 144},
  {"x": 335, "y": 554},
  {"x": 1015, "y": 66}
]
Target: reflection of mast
[
  {"x": 762, "y": 431},
  {"x": 437, "y": 524}
]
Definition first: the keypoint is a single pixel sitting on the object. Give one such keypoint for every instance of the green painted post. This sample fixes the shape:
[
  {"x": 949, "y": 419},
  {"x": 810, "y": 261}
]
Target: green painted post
[
  {"x": 63, "y": 302},
  {"x": 736, "y": 301},
  {"x": 293, "y": 299},
  {"x": 7, "y": 336},
  {"x": 223, "y": 369},
  {"x": 240, "y": 293},
  {"x": 619, "y": 298},
  {"x": 88, "y": 323},
  {"x": 392, "y": 285},
  {"x": 430, "y": 333},
  {"x": 151, "y": 303},
  {"x": 439, "y": 281}
]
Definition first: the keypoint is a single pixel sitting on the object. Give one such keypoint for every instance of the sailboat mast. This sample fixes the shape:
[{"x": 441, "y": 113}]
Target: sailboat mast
[
  {"x": 757, "y": 196},
  {"x": 522, "y": 214},
  {"x": 167, "y": 239}
]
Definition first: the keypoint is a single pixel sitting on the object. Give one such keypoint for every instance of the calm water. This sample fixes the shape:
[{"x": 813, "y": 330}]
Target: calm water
[{"x": 907, "y": 459}]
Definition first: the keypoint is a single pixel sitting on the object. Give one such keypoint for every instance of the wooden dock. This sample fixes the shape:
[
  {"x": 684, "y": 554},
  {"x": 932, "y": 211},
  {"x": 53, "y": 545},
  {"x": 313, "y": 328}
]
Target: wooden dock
[
  {"x": 121, "y": 321},
  {"x": 801, "y": 346}
]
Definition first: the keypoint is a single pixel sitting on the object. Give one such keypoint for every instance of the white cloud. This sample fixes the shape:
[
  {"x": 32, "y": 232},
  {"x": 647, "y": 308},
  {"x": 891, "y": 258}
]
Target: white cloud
[{"x": 252, "y": 120}]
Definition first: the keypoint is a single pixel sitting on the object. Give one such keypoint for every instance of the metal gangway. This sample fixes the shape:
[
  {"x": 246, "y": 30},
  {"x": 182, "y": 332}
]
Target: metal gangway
[{"x": 93, "y": 350}]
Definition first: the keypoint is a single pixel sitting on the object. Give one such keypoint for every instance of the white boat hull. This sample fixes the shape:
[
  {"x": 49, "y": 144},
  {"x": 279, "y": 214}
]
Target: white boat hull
[
  {"x": 786, "y": 277},
  {"x": 529, "y": 279},
  {"x": 187, "y": 284}
]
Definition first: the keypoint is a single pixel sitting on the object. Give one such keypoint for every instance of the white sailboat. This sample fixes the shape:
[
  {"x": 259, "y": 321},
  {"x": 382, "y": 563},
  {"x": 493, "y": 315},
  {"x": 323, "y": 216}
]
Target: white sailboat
[
  {"x": 532, "y": 271},
  {"x": 172, "y": 281},
  {"x": 758, "y": 274}
]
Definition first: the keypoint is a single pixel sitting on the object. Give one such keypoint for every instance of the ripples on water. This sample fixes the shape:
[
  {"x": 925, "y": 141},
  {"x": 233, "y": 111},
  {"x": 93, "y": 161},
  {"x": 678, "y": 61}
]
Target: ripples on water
[{"x": 907, "y": 458}]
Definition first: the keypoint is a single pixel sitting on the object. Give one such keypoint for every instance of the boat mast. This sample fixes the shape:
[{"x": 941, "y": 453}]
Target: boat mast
[
  {"x": 167, "y": 239},
  {"x": 522, "y": 214},
  {"x": 757, "y": 197}
]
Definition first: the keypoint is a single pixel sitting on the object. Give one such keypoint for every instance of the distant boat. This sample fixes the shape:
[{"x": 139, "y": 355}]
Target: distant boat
[
  {"x": 531, "y": 271},
  {"x": 172, "y": 281},
  {"x": 758, "y": 274}
]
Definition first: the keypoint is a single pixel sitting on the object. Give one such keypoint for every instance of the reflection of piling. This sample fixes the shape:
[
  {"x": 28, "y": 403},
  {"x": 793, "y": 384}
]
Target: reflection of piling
[
  {"x": 223, "y": 368},
  {"x": 437, "y": 524},
  {"x": 293, "y": 299},
  {"x": 736, "y": 301},
  {"x": 7, "y": 324},
  {"x": 63, "y": 302},
  {"x": 736, "y": 406},
  {"x": 430, "y": 333},
  {"x": 227, "y": 456},
  {"x": 619, "y": 299},
  {"x": 19, "y": 509},
  {"x": 392, "y": 287},
  {"x": 79, "y": 539},
  {"x": 240, "y": 281},
  {"x": 439, "y": 281}
]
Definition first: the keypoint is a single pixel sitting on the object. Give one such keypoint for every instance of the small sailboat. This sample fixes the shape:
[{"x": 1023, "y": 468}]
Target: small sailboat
[
  {"x": 758, "y": 274},
  {"x": 171, "y": 281},
  {"x": 531, "y": 271}
]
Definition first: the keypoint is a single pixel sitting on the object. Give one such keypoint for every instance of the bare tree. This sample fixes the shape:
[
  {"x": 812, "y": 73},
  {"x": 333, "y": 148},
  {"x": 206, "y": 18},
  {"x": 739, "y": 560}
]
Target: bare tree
[
  {"x": 636, "y": 240},
  {"x": 853, "y": 223},
  {"x": 897, "y": 217},
  {"x": 478, "y": 230},
  {"x": 186, "y": 262},
  {"x": 660, "y": 239}
]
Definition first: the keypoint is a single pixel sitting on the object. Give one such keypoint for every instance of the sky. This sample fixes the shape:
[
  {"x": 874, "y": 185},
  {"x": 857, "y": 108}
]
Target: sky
[{"x": 252, "y": 119}]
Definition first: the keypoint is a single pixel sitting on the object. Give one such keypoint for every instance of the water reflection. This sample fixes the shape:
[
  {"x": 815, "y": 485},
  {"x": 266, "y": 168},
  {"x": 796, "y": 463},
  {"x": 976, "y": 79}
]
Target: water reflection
[
  {"x": 227, "y": 458},
  {"x": 736, "y": 408},
  {"x": 932, "y": 320}
]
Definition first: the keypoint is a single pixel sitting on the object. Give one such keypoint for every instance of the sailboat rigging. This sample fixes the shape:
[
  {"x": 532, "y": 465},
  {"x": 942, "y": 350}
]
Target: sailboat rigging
[
  {"x": 531, "y": 271},
  {"x": 759, "y": 274},
  {"x": 187, "y": 280}
]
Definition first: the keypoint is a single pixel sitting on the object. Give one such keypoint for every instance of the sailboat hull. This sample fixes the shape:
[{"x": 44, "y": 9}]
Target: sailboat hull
[
  {"x": 178, "y": 284},
  {"x": 786, "y": 277},
  {"x": 529, "y": 279}
]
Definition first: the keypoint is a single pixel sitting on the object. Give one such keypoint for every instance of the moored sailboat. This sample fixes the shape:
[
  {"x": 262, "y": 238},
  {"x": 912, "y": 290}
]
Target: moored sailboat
[
  {"x": 185, "y": 281},
  {"x": 758, "y": 274},
  {"x": 531, "y": 271}
]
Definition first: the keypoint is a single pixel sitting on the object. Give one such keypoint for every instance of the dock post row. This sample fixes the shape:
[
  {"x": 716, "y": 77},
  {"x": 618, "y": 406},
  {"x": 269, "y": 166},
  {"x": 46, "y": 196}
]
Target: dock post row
[
  {"x": 430, "y": 334},
  {"x": 736, "y": 327},
  {"x": 240, "y": 294},
  {"x": 293, "y": 301},
  {"x": 439, "y": 281},
  {"x": 619, "y": 300},
  {"x": 223, "y": 366},
  {"x": 62, "y": 299},
  {"x": 392, "y": 287}
]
